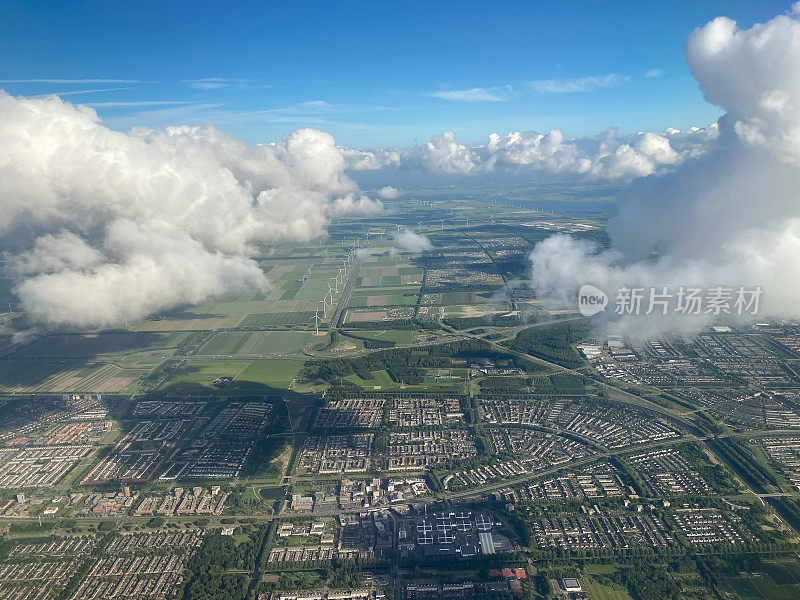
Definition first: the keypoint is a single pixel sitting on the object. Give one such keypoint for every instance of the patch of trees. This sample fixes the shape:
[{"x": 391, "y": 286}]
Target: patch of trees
[
  {"x": 552, "y": 342},
  {"x": 259, "y": 462},
  {"x": 297, "y": 580},
  {"x": 207, "y": 574},
  {"x": 648, "y": 582},
  {"x": 409, "y": 365},
  {"x": 156, "y": 375},
  {"x": 344, "y": 575},
  {"x": 717, "y": 476},
  {"x": 742, "y": 460},
  {"x": 370, "y": 343},
  {"x": 789, "y": 510},
  {"x": 191, "y": 343},
  {"x": 567, "y": 383}
]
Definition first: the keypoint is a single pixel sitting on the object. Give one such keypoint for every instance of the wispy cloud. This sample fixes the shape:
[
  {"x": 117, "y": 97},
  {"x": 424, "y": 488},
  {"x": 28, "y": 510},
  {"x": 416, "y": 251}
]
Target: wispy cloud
[
  {"x": 310, "y": 105},
  {"x": 654, "y": 73},
  {"x": 214, "y": 83},
  {"x": 135, "y": 103},
  {"x": 493, "y": 94},
  {"x": 316, "y": 107},
  {"x": 582, "y": 84},
  {"x": 73, "y": 81},
  {"x": 75, "y": 92}
]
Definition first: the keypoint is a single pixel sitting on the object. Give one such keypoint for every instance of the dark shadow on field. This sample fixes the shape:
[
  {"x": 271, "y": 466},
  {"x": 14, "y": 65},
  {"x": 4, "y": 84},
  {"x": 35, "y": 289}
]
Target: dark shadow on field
[
  {"x": 235, "y": 388},
  {"x": 80, "y": 345},
  {"x": 185, "y": 314},
  {"x": 28, "y": 365}
]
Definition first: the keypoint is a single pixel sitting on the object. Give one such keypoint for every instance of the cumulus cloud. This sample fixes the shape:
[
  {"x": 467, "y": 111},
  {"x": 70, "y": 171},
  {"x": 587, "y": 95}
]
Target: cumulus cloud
[
  {"x": 148, "y": 272},
  {"x": 444, "y": 154},
  {"x": 608, "y": 157},
  {"x": 388, "y": 192},
  {"x": 728, "y": 218},
  {"x": 412, "y": 241},
  {"x": 128, "y": 224},
  {"x": 53, "y": 253},
  {"x": 370, "y": 160},
  {"x": 352, "y": 204}
]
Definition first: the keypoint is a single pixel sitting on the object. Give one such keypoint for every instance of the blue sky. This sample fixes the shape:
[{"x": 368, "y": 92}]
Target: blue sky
[{"x": 372, "y": 73}]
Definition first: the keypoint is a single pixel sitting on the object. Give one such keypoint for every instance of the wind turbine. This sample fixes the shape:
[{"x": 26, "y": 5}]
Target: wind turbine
[
  {"x": 325, "y": 306},
  {"x": 442, "y": 220},
  {"x": 335, "y": 283},
  {"x": 316, "y": 321}
]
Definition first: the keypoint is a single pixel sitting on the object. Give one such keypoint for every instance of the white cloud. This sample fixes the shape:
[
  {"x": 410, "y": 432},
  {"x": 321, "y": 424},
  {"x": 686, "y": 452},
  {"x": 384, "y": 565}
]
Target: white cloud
[
  {"x": 128, "y": 103},
  {"x": 494, "y": 94},
  {"x": 728, "y": 218},
  {"x": 151, "y": 271},
  {"x": 582, "y": 84},
  {"x": 354, "y": 204},
  {"x": 369, "y": 160},
  {"x": 444, "y": 154},
  {"x": 608, "y": 157},
  {"x": 412, "y": 241},
  {"x": 52, "y": 253},
  {"x": 128, "y": 224},
  {"x": 213, "y": 83},
  {"x": 78, "y": 92},
  {"x": 651, "y": 73},
  {"x": 388, "y": 193}
]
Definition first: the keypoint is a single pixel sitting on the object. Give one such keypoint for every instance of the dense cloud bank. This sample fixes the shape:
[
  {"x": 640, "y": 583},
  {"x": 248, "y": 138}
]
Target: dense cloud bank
[
  {"x": 608, "y": 157},
  {"x": 121, "y": 225},
  {"x": 729, "y": 218}
]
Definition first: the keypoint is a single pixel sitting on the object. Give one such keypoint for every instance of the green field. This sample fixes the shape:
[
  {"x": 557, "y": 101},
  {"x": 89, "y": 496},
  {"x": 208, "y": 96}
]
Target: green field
[
  {"x": 226, "y": 309},
  {"x": 382, "y": 381},
  {"x": 76, "y": 346},
  {"x": 783, "y": 572},
  {"x": 229, "y": 343},
  {"x": 761, "y": 588},
  {"x": 271, "y": 373},
  {"x": 399, "y": 336},
  {"x": 598, "y": 591},
  {"x": 196, "y": 376},
  {"x": 316, "y": 286},
  {"x": 277, "y": 319},
  {"x": 379, "y": 379},
  {"x": 248, "y": 376}
]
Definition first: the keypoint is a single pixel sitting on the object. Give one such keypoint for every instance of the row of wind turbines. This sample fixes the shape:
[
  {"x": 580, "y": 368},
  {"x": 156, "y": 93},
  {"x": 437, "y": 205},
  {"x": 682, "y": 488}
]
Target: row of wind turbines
[{"x": 349, "y": 262}]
